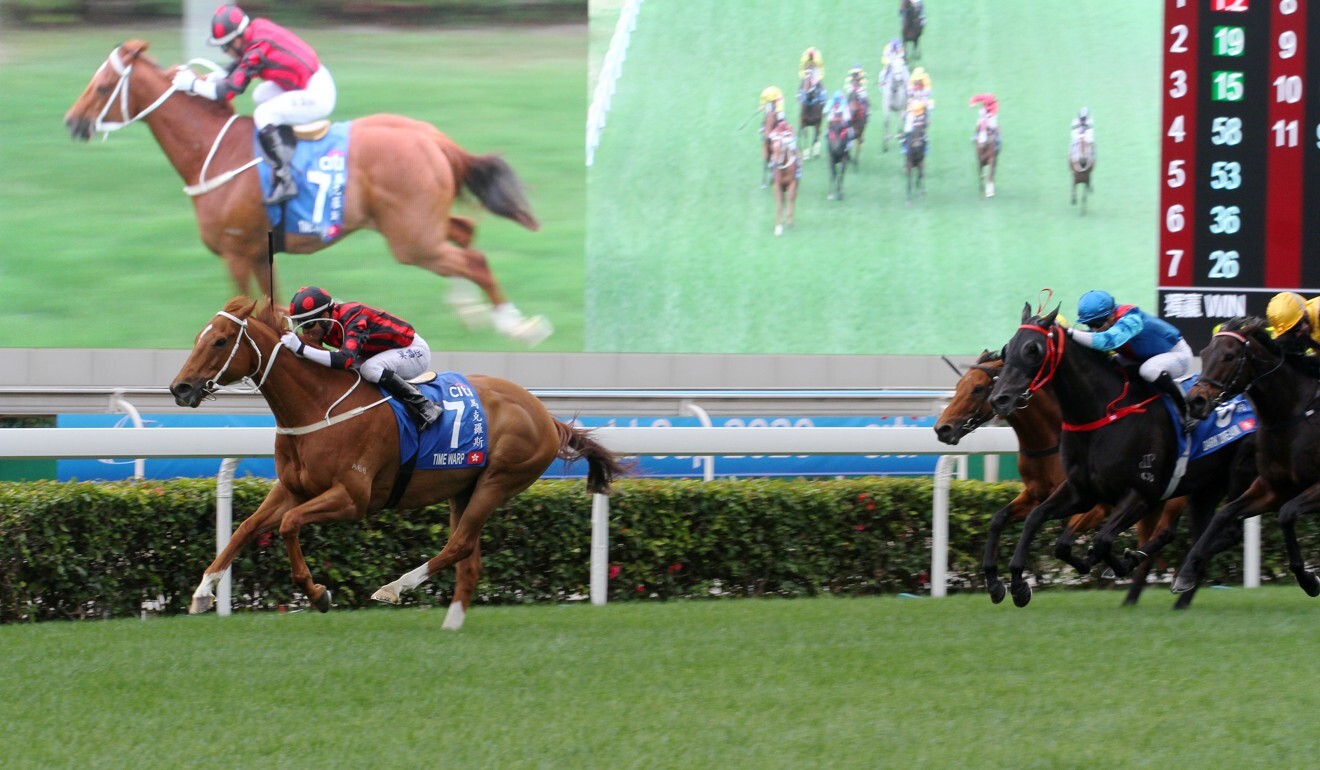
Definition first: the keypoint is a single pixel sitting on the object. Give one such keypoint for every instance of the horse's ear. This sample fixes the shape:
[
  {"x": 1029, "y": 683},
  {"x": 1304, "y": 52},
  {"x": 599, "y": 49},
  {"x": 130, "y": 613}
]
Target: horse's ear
[
  {"x": 1049, "y": 319},
  {"x": 132, "y": 49},
  {"x": 1026, "y": 312}
]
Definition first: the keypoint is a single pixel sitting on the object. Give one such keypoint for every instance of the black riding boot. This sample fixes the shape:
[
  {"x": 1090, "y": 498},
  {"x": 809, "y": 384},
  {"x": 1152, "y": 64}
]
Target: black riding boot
[
  {"x": 277, "y": 143},
  {"x": 423, "y": 409},
  {"x": 1166, "y": 384}
]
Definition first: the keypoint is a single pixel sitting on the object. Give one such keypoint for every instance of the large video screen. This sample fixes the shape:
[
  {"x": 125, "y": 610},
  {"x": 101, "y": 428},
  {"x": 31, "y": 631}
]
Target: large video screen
[{"x": 102, "y": 248}]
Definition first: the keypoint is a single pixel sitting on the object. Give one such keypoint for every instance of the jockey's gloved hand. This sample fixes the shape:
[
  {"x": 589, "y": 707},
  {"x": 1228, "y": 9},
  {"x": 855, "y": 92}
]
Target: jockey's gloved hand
[
  {"x": 184, "y": 80},
  {"x": 292, "y": 342}
]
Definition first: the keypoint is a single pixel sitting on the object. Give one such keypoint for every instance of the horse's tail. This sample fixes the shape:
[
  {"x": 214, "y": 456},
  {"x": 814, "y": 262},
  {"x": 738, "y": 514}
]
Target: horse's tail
[
  {"x": 602, "y": 466},
  {"x": 494, "y": 183}
]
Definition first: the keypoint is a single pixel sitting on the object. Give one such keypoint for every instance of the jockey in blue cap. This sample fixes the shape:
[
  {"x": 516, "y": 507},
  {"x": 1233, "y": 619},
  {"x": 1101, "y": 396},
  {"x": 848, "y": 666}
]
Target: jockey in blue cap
[{"x": 1139, "y": 338}]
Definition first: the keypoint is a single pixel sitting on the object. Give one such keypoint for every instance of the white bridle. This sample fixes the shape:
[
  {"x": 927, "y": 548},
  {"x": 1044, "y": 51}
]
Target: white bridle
[{"x": 104, "y": 127}]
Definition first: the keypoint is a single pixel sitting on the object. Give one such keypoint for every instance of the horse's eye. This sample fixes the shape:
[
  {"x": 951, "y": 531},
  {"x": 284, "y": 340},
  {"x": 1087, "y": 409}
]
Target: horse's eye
[
  {"x": 220, "y": 343},
  {"x": 103, "y": 90}
]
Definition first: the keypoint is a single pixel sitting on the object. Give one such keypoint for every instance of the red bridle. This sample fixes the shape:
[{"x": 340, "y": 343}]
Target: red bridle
[{"x": 1055, "y": 337}]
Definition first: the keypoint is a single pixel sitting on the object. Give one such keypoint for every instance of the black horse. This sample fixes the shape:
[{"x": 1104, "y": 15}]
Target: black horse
[
  {"x": 811, "y": 108},
  {"x": 1242, "y": 358},
  {"x": 915, "y": 160},
  {"x": 840, "y": 154},
  {"x": 1119, "y": 445},
  {"x": 913, "y": 25}
]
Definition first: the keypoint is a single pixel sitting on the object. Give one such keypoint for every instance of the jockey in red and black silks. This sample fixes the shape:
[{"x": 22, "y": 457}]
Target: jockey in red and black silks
[
  {"x": 385, "y": 349},
  {"x": 296, "y": 88}
]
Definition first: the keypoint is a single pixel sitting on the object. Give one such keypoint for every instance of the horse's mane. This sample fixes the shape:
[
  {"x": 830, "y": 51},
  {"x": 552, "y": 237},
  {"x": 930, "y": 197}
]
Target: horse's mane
[
  {"x": 223, "y": 108},
  {"x": 991, "y": 357},
  {"x": 261, "y": 310}
]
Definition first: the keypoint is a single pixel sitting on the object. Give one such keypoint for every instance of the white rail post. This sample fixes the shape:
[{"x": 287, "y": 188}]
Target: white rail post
[
  {"x": 224, "y": 529},
  {"x": 687, "y": 406},
  {"x": 1251, "y": 552},
  {"x": 939, "y": 538},
  {"x": 600, "y": 548},
  {"x": 119, "y": 403}
]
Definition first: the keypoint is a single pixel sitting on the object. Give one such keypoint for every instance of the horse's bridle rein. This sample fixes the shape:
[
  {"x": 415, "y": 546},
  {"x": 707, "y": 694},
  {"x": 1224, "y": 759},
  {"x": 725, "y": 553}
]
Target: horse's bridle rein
[
  {"x": 1049, "y": 365},
  {"x": 213, "y": 383}
]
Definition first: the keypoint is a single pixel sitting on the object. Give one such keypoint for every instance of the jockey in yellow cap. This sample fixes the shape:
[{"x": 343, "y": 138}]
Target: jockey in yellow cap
[
  {"x": 919, "y": 86},
  {"x": 812, "y": 60},
  {"x": 772, "y": 95},
  {"x": 1295, "y": 321}
]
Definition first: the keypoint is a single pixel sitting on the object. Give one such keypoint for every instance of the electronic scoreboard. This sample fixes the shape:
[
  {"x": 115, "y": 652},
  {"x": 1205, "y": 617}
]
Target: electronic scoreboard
[{"x": 1240, "y": 164}]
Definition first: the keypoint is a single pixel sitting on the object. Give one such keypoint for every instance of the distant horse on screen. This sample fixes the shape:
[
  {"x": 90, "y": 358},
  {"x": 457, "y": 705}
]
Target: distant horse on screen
[
  {"x": 811, "y": 102},
  {"x": 787, "y": 171},
  {"x": 1081, "y": 161}
]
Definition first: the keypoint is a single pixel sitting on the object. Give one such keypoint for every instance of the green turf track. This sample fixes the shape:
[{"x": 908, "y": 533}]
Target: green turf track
[
  {"x": 680, "y": 249},
  {"x": 1071, "y": 681},
  {"x": 100, "y": 246}
]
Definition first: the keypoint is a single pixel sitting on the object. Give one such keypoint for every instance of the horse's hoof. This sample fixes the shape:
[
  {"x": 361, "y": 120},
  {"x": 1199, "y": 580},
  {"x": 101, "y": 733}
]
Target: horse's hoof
[
  {"x": 1309, "y": 583},
  {"x": 385, "y": 594},
  {"x": 829, "y": 197},
  {"x": 779, "y": 230},
  {"x": 990, "y": 190},
  {"x": 322, "y": 602},
  {"x": 1108, "y": 574},
  {"x": 473, "y": 315},
  {"x": 1021, "y": 594},
  {"x": 200, "y": 604},
  {"x": 997, "y": 591},
  {"x": 1182, "y": 585},
  {"x": 532, "y": 331}
]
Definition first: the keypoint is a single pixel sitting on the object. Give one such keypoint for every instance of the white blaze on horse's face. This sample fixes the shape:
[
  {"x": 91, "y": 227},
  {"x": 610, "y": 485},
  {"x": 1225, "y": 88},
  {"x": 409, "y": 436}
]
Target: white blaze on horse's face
[{"x": 203, "y": 333}]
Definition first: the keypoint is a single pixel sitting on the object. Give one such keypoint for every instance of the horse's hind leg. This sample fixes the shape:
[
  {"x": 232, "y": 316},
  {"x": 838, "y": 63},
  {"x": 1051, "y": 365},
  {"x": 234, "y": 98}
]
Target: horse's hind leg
[
  {"x": 461, "y": 230},
  {"x": 264, "y": 519},
  {"x": 1307, "y": 502}
]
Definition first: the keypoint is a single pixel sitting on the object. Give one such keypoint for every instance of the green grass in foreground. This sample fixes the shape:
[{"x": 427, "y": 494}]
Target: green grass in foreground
[
  {"x": 1071, "y": 681},
  {"x": 101, "y": 246}
]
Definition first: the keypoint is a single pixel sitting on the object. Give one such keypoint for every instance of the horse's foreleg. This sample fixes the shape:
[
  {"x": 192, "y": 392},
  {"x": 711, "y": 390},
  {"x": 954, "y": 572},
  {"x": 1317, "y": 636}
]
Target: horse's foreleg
[
  {"x": 335, "y": 504},
  {"x": 1016, "y": 510},
  {"x": 1129, "y": 510},
  {"x": 1307, "y": 502},
  {"x": 1064, "y": 501},
  {"x": 265, "y": 518},
  {"x": 1082, "y": 522},
  {"x": 1224, "y": 529}
]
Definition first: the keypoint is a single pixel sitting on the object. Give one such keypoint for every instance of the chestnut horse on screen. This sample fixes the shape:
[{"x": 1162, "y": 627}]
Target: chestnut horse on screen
[
  {"x": 786, "y": 169},
  {"x": 403, "y": 176},
  {"x": 338, "y": 459}
]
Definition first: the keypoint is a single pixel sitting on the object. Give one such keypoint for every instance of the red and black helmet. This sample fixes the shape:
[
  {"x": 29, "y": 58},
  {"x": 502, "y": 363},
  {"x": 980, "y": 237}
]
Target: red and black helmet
[
  {"x": 309, "y": 302},
  {"x": 228, "y": 23}
]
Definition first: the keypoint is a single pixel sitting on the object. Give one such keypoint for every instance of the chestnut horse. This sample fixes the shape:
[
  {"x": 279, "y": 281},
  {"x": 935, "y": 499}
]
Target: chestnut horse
[
  {"x": 1081, "y": 161},
  {"x": 403, "y": 175},
  {"x": 987, "y": 158},
  {"x": 1038, "y": 426},
  {"x": 1114, "y": 448},
  {"x": 786, "y": 167},
  {"x": 337, "y": 453},
  {"x": 1243, "y": 358}
]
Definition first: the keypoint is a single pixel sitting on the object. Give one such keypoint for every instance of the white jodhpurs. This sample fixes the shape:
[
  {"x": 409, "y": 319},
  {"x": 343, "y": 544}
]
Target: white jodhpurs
[
  {"x": 406, "y": 362},
  {"x": 277, "y": 107},
  {"x": 1176, "y": 362}
]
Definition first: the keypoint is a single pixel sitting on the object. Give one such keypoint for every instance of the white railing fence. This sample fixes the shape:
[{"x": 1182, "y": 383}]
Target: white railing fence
[
  {"x": 231, "y": 443},
  {"x": 610, "y": 71}
]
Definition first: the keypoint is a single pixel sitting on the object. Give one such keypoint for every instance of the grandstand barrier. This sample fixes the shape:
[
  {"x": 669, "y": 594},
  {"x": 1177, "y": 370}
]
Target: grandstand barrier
[{"x": 232, "y": 443}]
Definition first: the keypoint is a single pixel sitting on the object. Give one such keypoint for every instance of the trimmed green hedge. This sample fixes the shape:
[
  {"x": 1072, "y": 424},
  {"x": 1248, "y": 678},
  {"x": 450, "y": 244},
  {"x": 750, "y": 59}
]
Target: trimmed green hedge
[{"x": 85, "y": 549}]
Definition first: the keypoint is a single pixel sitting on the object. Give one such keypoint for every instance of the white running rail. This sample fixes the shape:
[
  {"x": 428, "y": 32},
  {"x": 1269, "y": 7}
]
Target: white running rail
[{"x": 609, "y": 75}]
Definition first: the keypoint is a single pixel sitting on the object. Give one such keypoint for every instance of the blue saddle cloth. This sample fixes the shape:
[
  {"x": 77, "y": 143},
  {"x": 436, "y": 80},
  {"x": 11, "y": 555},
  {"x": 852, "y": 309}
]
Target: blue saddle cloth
[
  {"x": 457, "y": 440},
  {"x": 320, "y": 168},
  {"x": 1233, "y": 420}
]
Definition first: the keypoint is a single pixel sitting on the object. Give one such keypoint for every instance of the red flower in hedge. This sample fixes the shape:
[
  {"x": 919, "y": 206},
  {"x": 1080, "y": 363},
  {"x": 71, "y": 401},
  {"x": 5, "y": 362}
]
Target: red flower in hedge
[
  {"x": 860, "y": 527},
  {"x": 675, "y": 567},
  {"x": 641, "y": 589},
  {"x": 263, "y": 540},
  {"x": 615, "y": 570}
]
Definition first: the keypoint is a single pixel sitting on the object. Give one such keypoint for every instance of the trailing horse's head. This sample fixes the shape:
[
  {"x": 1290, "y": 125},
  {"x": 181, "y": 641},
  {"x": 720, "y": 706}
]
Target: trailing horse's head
[
  {"x": 1238, "y": 353},
  {"x": 969, "y": 408},
  {"x": 1030, "y": 359}
]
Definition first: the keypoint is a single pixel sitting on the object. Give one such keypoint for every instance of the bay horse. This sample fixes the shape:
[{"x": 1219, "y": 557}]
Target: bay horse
[
  {"x": 787, "y": 168},
  {"x": 1038, "y": 426},
  {"x": 1115, "y": 449},
  {"x": 403, "y": 176},
  {"x": 1081, "y": 161},
  {"x": 837, "y": 139},
  {"x": 894, "y": 94},
  {"x": 987, "y": 158},
  {"x": 811, "y": 102},
  {"x": 337, "y": 453},
  {"x": 913, "y": 26},
  {"x": 915, "y": 160},
  {"x": 1242, "y": 359}
]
